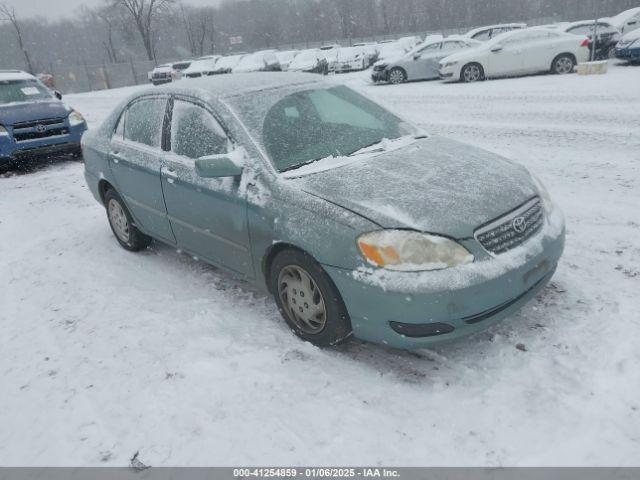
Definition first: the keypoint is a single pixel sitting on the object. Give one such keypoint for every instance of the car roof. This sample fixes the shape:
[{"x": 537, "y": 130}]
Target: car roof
[
  {"x": 220, "y": 86},
  {"x": 15, "y": 75},
  {"x": 501, "y": 25}
]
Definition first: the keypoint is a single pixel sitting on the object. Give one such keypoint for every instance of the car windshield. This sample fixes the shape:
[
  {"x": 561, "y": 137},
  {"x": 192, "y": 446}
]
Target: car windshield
[
  {"x": 12, "y": 91},
  {"x": 300, "y": 125}
]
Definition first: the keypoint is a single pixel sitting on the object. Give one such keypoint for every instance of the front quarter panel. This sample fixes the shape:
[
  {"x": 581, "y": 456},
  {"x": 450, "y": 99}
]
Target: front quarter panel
[{"x": 286, "y": 215}]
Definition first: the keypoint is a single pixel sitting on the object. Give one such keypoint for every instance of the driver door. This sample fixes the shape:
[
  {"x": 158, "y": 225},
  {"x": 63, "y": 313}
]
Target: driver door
[{"x": 208, "y": 215}]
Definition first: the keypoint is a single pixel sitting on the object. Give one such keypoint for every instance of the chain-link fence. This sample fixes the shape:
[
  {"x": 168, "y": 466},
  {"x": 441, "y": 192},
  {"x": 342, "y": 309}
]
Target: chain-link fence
[{"x": 86, "y": 77}]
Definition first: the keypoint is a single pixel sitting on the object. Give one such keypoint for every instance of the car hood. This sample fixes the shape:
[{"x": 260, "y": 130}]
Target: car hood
[
  {"x": 433, "y": 185},
  {"x": 28, "y": 111}
]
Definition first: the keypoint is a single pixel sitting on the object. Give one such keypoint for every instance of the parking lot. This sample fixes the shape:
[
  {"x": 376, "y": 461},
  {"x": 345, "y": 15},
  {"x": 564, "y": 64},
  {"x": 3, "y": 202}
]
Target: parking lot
[{"x": 108, "y": 353}]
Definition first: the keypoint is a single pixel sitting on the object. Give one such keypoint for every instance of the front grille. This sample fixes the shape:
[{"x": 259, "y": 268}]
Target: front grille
[
  {"x": 36, "y": 129},
  {"x": 512, "y": 229},
  {"x": 54, "y": 132},
  {"x": 34, "y": 123}
]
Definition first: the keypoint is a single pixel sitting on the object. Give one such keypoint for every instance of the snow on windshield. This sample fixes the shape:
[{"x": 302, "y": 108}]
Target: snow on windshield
[{"x": 300, "y": 125}]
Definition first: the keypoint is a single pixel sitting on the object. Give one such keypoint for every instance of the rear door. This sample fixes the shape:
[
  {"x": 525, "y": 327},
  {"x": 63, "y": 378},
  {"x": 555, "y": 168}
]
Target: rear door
[
  {"x": 208, "y": 215},
  {"x": 135, "y": 158}
]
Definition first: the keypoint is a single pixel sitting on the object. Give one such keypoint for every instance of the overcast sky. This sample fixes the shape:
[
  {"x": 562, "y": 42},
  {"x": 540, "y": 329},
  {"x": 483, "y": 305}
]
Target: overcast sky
[{"x": 55, "y": 9}]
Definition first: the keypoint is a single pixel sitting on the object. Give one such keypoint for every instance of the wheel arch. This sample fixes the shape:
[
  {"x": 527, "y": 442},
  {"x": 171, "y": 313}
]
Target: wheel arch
[
  {"x": 270, "y": 254},
  {"x": 103, "y": 187}
]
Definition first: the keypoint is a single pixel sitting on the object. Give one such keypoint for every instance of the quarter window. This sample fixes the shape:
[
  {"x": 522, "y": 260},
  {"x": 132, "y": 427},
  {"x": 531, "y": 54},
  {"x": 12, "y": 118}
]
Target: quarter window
[
  {"x": 144, "y": 120},
  {"x": 195, "y": 133}
]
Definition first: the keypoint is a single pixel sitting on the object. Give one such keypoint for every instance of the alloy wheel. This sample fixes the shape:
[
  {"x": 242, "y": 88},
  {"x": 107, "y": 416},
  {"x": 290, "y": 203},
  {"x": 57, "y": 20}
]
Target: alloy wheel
[
  {"x": 564, "y": 65},
  {"x": 302, "y": 300},
  {"x": 396, "y": 76},
  {"x": 472, "y": 73}
]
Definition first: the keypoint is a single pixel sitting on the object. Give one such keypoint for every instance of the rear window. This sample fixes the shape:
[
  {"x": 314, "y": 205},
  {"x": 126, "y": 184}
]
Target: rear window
[{"x": 12, "y": 91}]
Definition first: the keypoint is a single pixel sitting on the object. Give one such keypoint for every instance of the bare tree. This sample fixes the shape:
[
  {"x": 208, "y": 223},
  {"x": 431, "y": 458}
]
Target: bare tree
[
  {"x": 143, "y": 13},
  {"x": 199, "y": 28},
  {"x": 8, "y": 14}
]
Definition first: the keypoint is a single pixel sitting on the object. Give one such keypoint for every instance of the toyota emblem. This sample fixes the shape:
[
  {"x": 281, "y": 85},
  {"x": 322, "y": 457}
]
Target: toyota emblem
[
  {"x": 520, "y": 224},
  {"x": 40, "y": 128}
]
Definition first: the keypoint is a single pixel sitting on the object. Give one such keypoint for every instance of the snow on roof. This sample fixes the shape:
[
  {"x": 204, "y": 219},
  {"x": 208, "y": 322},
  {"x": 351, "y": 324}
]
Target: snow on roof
[
  {"x": 502, "y": 25},
  {"x": 15, "y": 75},
  {"x": 620, "y": 19},
  {"x": 239, "y": 83}
]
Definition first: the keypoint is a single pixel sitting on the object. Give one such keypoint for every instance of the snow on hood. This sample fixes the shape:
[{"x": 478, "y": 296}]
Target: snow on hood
[
  {"x": 630, "y": 37},
  {"x": 434, "y": 185},
  {"x": 29, "y": 111}
]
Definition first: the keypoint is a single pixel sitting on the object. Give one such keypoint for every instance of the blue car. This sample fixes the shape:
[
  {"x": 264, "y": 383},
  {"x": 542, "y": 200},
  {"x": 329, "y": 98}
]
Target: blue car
[
  {"x": 628, "y": 47},
  {"x": 33, "y": 120}
]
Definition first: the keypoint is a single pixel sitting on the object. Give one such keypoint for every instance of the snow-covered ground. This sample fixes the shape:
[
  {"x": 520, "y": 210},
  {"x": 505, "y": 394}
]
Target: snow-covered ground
[{"x": 104, "y": 353}]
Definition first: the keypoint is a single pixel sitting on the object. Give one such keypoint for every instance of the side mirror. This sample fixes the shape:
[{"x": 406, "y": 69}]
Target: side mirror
[
  {"x": 57, "y": 94},
  {"x": 496, "y": 49},
  {"x": 217, "y": 166}
]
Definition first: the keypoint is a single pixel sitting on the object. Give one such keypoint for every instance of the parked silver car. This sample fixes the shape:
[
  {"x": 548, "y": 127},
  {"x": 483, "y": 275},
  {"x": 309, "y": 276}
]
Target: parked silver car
[{"x": 421, "y": 63}]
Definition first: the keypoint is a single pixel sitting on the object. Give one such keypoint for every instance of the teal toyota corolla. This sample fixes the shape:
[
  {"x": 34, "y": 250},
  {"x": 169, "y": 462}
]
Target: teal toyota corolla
[{"x": 358, "y": 223}]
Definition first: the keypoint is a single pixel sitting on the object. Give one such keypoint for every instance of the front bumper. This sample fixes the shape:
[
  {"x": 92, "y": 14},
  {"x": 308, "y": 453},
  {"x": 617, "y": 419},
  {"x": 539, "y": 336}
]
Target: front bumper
[
  {"x": 447, "y": 75},
  {"x": 12, "y": 151},
  {"x": 380, "y": 76},
  {"x": 416, "y": 310}
]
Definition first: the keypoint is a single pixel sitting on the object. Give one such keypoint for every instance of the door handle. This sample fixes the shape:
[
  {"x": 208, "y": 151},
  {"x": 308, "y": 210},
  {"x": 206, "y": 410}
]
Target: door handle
[
  {"x": 170, "y": 174},
  {"x": 116, "y": 157}
]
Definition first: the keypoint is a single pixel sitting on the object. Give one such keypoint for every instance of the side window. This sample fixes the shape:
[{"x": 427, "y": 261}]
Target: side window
[
  {"x": 483, "y": 35},
  {"x": 449, "y": 46},
  {"x": 195, "y": 132},
  {"x": 144, "y": 120}
]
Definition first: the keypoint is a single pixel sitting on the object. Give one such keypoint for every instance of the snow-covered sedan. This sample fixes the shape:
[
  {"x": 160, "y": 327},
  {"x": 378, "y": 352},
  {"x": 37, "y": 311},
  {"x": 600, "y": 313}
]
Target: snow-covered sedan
[
  {"x": 310, "y": 61},
  {"x": 227, "y": 64},
  {"x": 201, "y": 67},
  {"x": 348, "y": 59},
  {"x": 488, "y": 32},
  {"x": 521, "y": 52},
  {"x": 421, "y": 63},
  {"x": 606, "y": 36},
  {"x": 627, "y": 21},
  {"x": 357, "y": 222},
  {"x": 263, "y": 61}
]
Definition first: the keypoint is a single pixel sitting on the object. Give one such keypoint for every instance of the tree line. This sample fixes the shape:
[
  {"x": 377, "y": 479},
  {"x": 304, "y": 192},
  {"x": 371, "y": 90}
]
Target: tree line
[{"x": 126, "y": 30}]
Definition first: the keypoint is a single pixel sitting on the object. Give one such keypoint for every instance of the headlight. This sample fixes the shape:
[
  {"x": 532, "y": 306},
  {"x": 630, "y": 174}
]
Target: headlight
[
  {"x": 412, "y": 251},
  {"x": 3, "y": 132},
  {"x": 634, "y": 43},
  {"x": 75, "y": 119},
  {"x": 450, "y": 64},
  {"x": 544, "y": 194}
]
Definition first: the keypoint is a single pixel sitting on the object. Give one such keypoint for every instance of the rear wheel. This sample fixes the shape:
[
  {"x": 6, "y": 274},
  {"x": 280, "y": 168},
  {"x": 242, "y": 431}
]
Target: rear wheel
[
  {"x": 471, "y": 73},
  {"x": 121, "y": 222},
  {"x": 308, "y": 300},
  {"x": 563, "y": 64},
  {"x": 397, "y": 75}
]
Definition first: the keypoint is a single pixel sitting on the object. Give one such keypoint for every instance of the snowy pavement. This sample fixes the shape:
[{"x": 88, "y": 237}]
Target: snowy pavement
[{"x": 104, "y": 353}]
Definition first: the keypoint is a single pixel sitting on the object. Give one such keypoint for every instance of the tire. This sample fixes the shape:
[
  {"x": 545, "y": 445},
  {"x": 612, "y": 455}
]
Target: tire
[
  {"x": 471, "y": 73},
  {"x": 122, "y": 225},
  {"x": 322, "y": 319},
  {"x": 397, "y": 75},
  {"x": 563, "y": 64}
]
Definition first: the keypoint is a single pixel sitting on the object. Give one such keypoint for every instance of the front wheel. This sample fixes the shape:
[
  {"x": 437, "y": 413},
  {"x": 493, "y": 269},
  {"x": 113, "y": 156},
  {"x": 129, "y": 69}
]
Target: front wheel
[
  {"x": 121, "y": 222},
  {"x": 471, "y": 73},
  {"x": 308, "y": 300},
  {"x": 397, "y": 75},
  {"x": 563, "y": 64}
]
